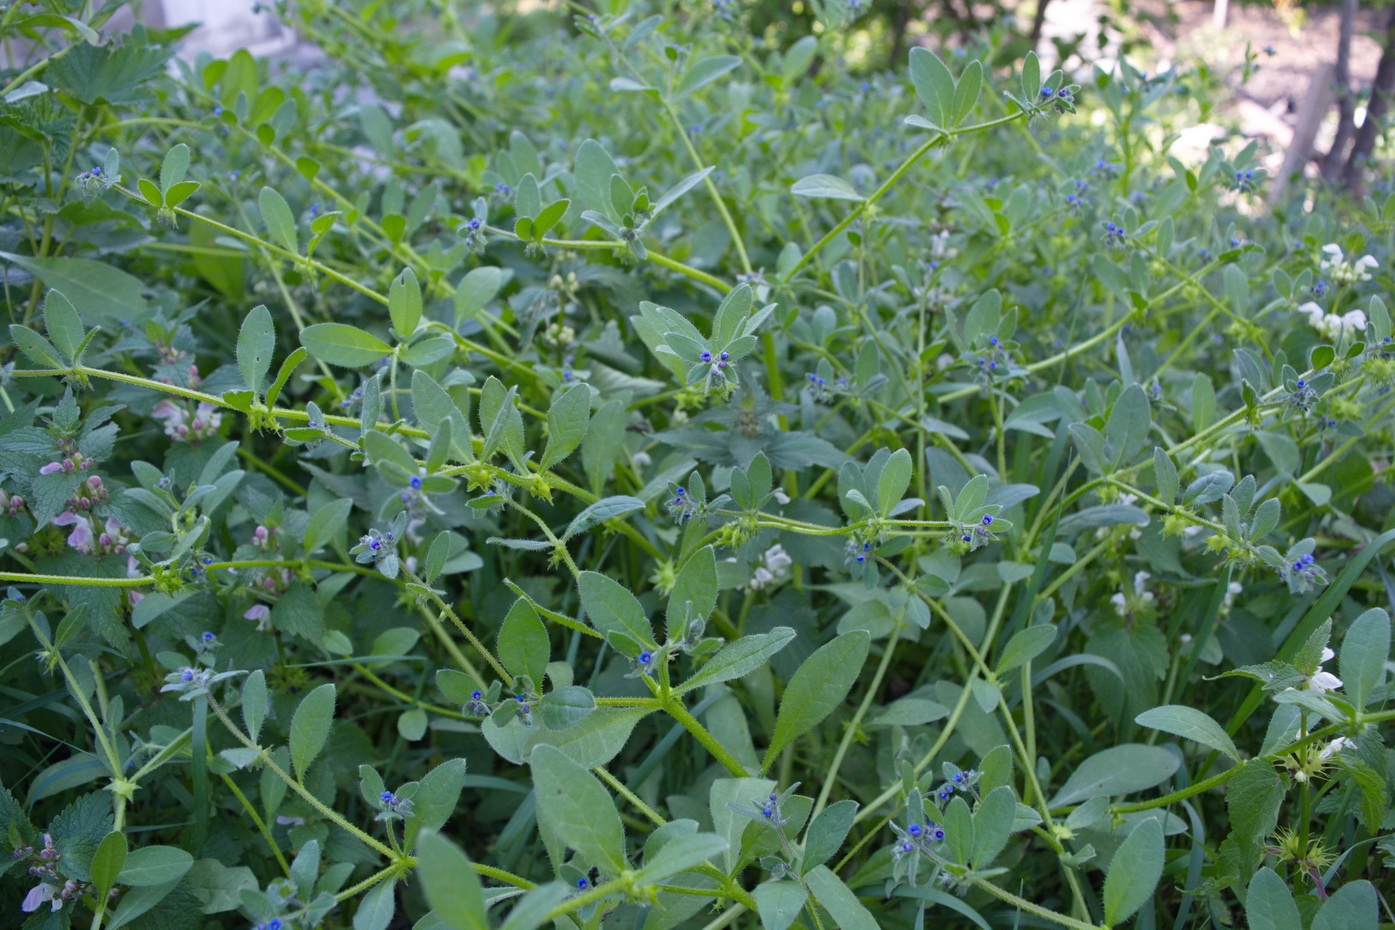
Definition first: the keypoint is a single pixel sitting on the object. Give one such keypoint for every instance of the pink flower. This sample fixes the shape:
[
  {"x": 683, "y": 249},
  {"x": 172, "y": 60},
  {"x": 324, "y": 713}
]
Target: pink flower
[
  {"x": 81, "y": 537},
  {"x": 42, "y": 893},
  {"x": 260, "y": 613},
  {"x": 50, "y": 468},
  {"x": 172, "y": 414}
]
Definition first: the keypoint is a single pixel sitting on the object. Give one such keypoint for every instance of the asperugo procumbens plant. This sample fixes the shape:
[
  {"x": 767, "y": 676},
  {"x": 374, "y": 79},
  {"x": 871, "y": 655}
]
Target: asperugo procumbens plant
[{"x": 604, "y": 468}]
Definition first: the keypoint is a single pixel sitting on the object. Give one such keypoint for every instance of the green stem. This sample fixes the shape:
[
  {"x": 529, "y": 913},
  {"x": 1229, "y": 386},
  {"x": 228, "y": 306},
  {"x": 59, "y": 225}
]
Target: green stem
[
  {"x": 324, "y": 810},
  {"x": 678, "y": 712},
  {"x": 1032, "y": 908}
]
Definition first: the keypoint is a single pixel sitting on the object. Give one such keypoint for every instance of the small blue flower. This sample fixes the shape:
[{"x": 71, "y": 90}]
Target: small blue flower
[
  {"x": 915, "y": 829},
  {"x": 646, "y": 657},
  {"x": 582, "y": 884},
  {"x": 476, "y": 694},
  {"x": 416, "y": 482},
  {"x": 208, "y": 637},
  {"x": 385, "y": 797},
  {"x": 706, "y": 356},
  {"x": 767, "y": 812},
  {"x": 726, "y": 356},
  {"x": 987, "y": 520},
  {"x": 207, "y": 560},
  {"x": 187, "y": 675}
]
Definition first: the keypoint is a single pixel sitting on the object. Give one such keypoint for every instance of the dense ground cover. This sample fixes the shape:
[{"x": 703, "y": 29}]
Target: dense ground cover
[{"x": 618, "y": 470}]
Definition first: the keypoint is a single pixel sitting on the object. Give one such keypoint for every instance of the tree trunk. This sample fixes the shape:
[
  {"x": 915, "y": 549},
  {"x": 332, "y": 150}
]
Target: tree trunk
[
  {"x": 1332, "y": 164},
  {"x": 1352, "y": 175},
  {"x": 1038, "y": 22}
]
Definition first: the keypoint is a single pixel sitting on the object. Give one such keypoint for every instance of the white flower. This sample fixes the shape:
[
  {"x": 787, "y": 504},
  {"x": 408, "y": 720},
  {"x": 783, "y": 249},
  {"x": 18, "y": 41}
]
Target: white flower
[
  {"x": 1342, "y": 271},
  {"x": 1324, "y": 681},
  {"x": 1332, "y": 326},
  {"x": 642, "y": 459},
  {"x": 1336, "y": 746},
  {"x": 1142, "y": 597},
  {"x": 781, "y": 497},
  {"x": 1231, "y": 590},
  {"x": 770, "y": 569}
]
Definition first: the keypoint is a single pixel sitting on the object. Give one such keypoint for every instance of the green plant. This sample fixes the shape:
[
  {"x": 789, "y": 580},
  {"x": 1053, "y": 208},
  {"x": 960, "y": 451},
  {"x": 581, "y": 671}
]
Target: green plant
[{"x": 650, "y": 484}]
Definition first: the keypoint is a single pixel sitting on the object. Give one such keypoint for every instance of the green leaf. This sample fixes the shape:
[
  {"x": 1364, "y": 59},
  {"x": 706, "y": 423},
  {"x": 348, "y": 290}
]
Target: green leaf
[
  {"x": 108, "y": 861},
  {"x": 280, "y": 222},
  {"x": 36, "y": 347},
  {"x": 826, "y": 833},
  {"x": 404, "y": 303},
  {"x": 376, "y": 908},
  {"x": 739, "y": 658},
  {"x": 567, "y": 420},
  {"x": 578, "y": 809},
  {"x": 436, "y": 798},
  {"x": 842, "y": 905},
  {"x": 387, "y": 455},
  {"x": 779, "y": 904},
  {"x": 1128, "y": 424},
  {"x": 1269, "y": 904},
  {"x": 967, "y": 90},
  {"x": 1365, "y": 650},
  {"x": 452, "y": 888},
  {"x": 1117, "y": 771},
  {"x": 256, "y": 341},
  {"x": 99, "y": 292},
  {"x": 614, "y": 610},
  {"x": 63, "y": 324},
  {"x": 893, "y": 482},
  {"x": 1353, "y": 907},
  {"x": 1031, "y": 78},
  {"x": 154, "y": 865},
  {"x": 680, "y": 854},
  {"x": 523, "y": 642},
  {"x": 343, "y": 345},
  {"x": 817, "y": 689},
  {"x": 327, "y": 522},
  {"x": 1189, "y": 723},
  {"x": 151, "y": 193},
  {"x": 934, "y": 85},
  {"x": 607, "y": 508},
  {"x": 255, "y": 703},
  {"x": 993, "y": 820},
  {"x": 694, "y": 593},
  {"x": 283, "y": 374},
  {"x": 1134, "y": 872},
  {"x": 174, "y": 167},
  {"x": 310, "y": 727},
  {"x": 1025, "y": 646},
  {"x": 475, "y": 290},
  {"x": 825, "y": 186},
  {"x": 704, "y": 72},
  {"x": 180, "y": 193},
  {"x": 1165, "y": 474}
]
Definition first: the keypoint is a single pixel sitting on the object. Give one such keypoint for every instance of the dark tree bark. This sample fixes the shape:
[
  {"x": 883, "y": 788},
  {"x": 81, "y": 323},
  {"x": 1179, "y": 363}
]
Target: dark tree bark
[
  {"x": 1352, "y": 175},
  {"x": 1332, "y": 164},
  {"x": 1038, "y": 21}
]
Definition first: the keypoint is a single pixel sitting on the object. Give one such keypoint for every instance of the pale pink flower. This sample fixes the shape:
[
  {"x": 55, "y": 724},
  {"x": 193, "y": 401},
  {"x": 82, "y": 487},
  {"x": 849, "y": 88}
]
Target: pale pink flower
[
  {"x": 260, "y": 613},
  {"x": 43, "y": 893},
  {"x": 81, "y": 537}
]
